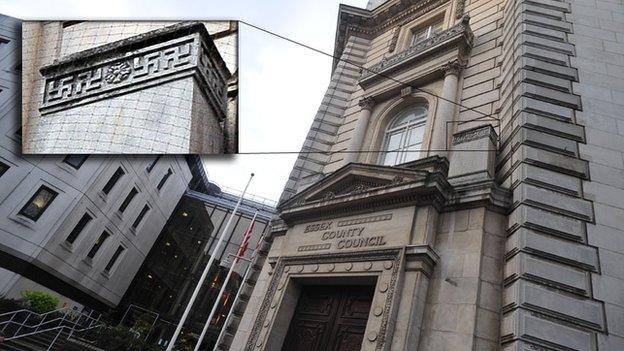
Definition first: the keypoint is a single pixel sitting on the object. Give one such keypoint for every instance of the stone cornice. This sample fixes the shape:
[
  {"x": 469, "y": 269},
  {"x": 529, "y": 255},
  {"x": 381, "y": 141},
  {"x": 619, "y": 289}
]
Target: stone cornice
[
  {"x": 365, "y": 23},
  {"x": 174, "y": 52},
  {"x": 459, "y": 35}
]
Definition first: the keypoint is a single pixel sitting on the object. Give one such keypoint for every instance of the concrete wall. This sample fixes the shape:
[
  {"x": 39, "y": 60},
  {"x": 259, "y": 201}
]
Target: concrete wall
[{"x": 41, "y": 243}]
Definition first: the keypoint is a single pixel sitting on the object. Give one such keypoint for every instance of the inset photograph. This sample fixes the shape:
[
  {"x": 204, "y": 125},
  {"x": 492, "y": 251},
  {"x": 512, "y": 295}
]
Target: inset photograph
[{"x": 130, "y": 87}]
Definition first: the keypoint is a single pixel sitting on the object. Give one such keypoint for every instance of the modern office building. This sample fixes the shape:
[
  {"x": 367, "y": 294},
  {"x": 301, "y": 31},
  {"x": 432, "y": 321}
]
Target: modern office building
[
  {"x": 165, "y": 282},
  {"x": 70, "y": 221},
  {"x": 129, "y": 87},
  {"x": 472, "y": 196}
]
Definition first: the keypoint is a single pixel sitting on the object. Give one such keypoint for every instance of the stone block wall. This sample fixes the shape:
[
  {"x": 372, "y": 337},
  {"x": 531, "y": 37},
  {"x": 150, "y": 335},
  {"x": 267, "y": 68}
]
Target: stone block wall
[
  {"x": 598, "y": 38},
  {"x": 550, "y": 296},
  {"x": 330, "y": 117}
]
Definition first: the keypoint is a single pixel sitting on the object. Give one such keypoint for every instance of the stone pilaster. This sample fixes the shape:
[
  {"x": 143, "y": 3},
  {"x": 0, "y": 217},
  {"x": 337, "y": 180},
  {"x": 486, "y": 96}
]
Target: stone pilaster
[{"x": 547, "y": 299}]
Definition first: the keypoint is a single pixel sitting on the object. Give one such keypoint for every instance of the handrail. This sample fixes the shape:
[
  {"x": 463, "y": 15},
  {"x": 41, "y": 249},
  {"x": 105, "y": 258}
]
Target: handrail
[{"x": 74, "y": 321}]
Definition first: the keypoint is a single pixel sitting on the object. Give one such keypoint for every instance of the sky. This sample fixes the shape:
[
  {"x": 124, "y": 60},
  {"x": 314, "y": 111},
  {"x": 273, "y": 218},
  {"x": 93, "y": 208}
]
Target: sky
[{"x": 280, "y": 84}]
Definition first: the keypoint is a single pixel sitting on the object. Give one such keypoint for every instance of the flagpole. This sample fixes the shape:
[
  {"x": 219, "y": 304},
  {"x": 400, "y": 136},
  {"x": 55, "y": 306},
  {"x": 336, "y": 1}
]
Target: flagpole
[
  {"x": 205, "y": 272},
  {"x": 239, "y": 253},
  {"x": 247, "y": 270}
]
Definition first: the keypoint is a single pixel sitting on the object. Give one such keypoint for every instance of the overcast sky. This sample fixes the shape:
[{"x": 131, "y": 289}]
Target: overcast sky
[{"x": 281, "y": 84}]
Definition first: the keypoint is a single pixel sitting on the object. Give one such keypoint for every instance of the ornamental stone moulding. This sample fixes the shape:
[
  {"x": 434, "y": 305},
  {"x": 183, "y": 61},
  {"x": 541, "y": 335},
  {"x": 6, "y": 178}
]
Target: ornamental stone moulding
[
  {"x": 459, "y": 36},
  {"x": 153, "y": 58}
]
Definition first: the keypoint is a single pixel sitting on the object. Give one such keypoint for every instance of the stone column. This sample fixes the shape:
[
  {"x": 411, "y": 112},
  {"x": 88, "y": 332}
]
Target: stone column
[
  {"x": 360, "y": 129},
  {"x": 446, "y": 108}
]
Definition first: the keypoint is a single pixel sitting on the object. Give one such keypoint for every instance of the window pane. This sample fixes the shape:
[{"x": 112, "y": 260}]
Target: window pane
[
  {"x": 82, "y": 223},
  {"x": 113, "y": 180},
  {"x": 412, "y": 153},
  {"x": 3, "y": 168},
  {"x": 98, "y": 244},
  {"x": 416, "y": 135},
  {"x": 394, "y": 141},
  {"x": 114, "y": 258},
  {"x": 139, "y": 218},
  {"x": 152, "y": 164},
  {"x": 75, "y": 160},
  {"x": 164, "y": 179},
  {"x": 38, "y": 203},
  {"x": 128, "y": 200}
]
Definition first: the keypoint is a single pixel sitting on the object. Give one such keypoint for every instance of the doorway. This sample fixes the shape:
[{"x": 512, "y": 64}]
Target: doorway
[{"x": 329, "y": 317}]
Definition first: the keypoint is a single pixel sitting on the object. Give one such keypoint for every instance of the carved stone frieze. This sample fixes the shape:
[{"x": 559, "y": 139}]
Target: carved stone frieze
[
  {"x": 174, "y": 52},
  {"x": 459, "y": 34},
  {"x": 363, "y": 23}
]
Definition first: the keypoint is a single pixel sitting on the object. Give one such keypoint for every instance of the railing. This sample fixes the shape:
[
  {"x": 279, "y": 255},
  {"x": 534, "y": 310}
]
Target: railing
[{"x": 71, "y": 321}]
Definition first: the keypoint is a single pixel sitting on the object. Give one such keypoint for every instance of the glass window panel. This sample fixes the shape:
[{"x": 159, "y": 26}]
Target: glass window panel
[
  {"x": 98, "y": 244},
  {"x": 75, "y": 161},
  {"x": 412, "y": 153},
  {"x": 390, "y": 158},
  {"x": 82, "y": 223},
  {"x": 3, "y": 168},
  {"x": 164, "y": 179},
  {"x": 139, "y": 218},
  {"x": 394, "y": 141},
  {"x": 128, "y": 200},
  {"x": 416, "y": 135},
  {"x": 38, "y": 203},
  {"x": 114, "y": 258},
  {"x": 113, "y": 180}
]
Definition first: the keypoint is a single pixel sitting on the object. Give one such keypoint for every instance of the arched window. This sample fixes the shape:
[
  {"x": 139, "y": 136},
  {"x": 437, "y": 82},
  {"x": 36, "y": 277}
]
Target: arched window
[{"x": 404, "y": 136}]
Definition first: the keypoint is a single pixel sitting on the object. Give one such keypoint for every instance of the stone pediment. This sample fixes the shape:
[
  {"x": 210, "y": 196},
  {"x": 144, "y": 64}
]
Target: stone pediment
[{"x": 359, "y": 186}]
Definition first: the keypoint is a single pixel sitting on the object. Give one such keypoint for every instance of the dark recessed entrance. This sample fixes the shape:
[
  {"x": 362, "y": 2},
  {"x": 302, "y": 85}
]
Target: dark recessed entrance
[{"x": 329, "y": 318}]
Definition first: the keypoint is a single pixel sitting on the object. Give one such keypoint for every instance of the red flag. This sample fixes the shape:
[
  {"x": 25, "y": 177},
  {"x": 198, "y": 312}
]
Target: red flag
[{"x": 246, "y": 238}]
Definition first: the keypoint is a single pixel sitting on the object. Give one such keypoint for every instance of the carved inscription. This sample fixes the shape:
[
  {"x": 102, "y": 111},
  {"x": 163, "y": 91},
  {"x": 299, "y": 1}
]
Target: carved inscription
[{"x": 346, "y": 238}]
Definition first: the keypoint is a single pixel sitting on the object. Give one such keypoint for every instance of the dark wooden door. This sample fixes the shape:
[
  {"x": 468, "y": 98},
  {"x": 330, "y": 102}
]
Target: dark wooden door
[{"x": 329, "y": 318}]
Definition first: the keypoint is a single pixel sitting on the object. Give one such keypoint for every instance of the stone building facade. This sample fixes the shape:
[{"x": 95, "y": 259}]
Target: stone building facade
[
  {"x": 460, "y": 187},
  {"x": 129, "y": 87}
]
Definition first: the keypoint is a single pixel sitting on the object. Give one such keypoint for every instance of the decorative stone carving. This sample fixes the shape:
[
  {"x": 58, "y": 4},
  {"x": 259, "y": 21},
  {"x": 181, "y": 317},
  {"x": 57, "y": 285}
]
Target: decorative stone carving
[
  {"x": 474, "y": 134},
  {"x": 328, "y": 196},
  {"x": 139, "y": 62},
  {"x": 458, "y": 33},
  {"x": 459, "y": 8},
  {"x": 454, "y": 67},
  {"x": 395, "y": 38},
  {"x": 360, "y": 188},
  {"x": 367, "y": 103},
  {"x": 118, "y": 72}
]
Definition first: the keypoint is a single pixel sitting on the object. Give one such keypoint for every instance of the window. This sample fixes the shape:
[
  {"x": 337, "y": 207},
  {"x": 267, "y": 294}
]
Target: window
[
  {"x": 139, "y": 218},
  {"x": 98, "y": 244},
  {"x": 38, "y": 203},
  {"x": 113, "y": 180},
  {"x": 3, "y": 168},
  {"x": 164, "y": 179},
  {"x": 404, "y": 137},
  {"x": 75, "y": 160},
  {"x": 128, "y": 200},
  {"x": 114, "y": 258},
  {"x": 152, "y": 164},
  {"x": 82, "y": 223},
  {"x": 426, "y": 32}
]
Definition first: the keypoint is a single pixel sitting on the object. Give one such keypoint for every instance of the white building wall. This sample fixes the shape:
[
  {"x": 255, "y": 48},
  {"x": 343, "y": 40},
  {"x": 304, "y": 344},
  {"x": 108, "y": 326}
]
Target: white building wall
[{"x": 42, "y": 242}]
